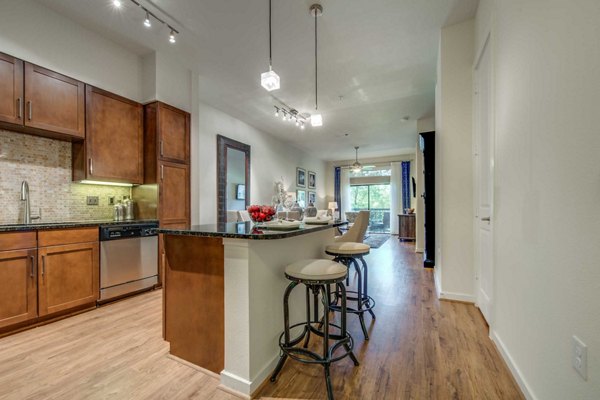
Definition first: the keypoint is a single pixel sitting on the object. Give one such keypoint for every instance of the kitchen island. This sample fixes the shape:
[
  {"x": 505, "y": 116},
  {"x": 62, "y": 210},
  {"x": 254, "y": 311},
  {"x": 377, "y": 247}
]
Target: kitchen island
[{"x": 223, "y": 295}]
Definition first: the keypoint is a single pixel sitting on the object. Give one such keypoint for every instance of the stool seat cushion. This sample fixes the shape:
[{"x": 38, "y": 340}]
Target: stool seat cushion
[
  {"x": 348, "y": 248},
  {"x": 316, "y": 270}
]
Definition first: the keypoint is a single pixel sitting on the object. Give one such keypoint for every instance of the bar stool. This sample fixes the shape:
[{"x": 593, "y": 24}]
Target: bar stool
[
  {"x": 316, "y": 275},
  {"x": 348, "y": 249}
]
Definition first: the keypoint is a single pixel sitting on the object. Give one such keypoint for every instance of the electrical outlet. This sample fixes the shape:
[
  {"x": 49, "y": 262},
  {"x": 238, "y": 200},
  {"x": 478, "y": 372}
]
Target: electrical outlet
[
  {"x": 93, "y": 200},
  {"x": 111, "y": 200},
  {"x": 579, "y": 357}
]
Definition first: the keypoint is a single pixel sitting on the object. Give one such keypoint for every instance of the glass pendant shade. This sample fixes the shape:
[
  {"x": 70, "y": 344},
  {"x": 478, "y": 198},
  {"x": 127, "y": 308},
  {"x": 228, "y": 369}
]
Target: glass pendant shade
[
  {"x": 316, "y": 120},
  {"x": 269, "y": 80}
]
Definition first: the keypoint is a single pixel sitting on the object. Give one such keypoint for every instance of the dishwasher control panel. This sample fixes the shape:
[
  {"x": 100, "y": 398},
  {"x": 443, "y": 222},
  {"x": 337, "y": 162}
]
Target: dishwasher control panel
[{"x": 127, "y": 231}]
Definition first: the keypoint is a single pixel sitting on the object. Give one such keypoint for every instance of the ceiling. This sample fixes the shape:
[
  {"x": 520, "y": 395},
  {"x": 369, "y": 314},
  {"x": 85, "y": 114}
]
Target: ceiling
[{"x": 377, "y": 62}]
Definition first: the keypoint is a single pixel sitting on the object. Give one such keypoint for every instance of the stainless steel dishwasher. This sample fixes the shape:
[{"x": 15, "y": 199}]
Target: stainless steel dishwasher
[{"x": 128, "y": 259}]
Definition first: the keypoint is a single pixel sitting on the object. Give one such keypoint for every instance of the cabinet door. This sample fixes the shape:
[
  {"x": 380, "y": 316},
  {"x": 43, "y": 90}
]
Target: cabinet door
[
  {"x": 11, "y": 89},
  {"x": 114, "y": 137},
  {"x": 174, "y": 193},
  {"x": 173, "y": 134},
  {"x": 18, "y": 284},
  {"x": 67, "y": 276},
  {"x": 54, "y": 102}
]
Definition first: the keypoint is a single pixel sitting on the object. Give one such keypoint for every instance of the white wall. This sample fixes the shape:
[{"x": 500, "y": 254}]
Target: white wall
[
  {"x": 39, "y": 35},
  {"x": 547, "y": 190},
  {"x": 454, "y": 182},
  {"x": 271, "y": 159}
]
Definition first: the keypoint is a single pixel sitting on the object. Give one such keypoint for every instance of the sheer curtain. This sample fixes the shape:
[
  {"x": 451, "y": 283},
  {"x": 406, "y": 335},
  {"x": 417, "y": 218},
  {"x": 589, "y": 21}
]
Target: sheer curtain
[
  {"x": 345, "y": 193},
  {"x": 396, "y": 196}
]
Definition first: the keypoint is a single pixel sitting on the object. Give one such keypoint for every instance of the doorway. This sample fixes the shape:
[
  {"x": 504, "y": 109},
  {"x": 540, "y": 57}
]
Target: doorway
[
  {"x": 377, "y": 199},
  {"x": 483, "y": 185}
]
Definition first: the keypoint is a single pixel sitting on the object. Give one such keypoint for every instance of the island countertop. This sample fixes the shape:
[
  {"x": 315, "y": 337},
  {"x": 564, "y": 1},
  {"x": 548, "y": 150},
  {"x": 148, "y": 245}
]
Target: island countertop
[{"x": 246, "y": 230}]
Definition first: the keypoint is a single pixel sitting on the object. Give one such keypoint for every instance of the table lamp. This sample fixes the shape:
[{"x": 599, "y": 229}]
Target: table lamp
[{"x": 333, "y": 206}]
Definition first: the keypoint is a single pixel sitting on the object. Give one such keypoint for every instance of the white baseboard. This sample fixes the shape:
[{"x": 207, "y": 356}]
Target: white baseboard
[
  {"x": 242, "y": 387},
  {"x": 516, "y": 373},
  {"x": 466, "y": 298}
]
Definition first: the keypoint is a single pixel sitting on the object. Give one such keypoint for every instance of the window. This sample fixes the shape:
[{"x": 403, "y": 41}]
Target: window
[{"x": 376, "y": 198}]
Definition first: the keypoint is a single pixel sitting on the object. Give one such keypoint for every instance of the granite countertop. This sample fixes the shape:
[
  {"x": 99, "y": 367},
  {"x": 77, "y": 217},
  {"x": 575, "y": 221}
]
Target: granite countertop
[
  {"x": 246, "y": 230},
  {"x": 72, "y": 224}
]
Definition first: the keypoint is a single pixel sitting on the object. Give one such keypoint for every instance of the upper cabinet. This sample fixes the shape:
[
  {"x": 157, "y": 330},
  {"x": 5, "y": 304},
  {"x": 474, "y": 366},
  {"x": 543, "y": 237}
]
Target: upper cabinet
[
  {"x": 11, "y": 89},
  {"x": 113, "y": 149},
  {"x": 170, "y": 132},
  {"x": 36, "y": 100},
  {"x": 54, "y": 102}
]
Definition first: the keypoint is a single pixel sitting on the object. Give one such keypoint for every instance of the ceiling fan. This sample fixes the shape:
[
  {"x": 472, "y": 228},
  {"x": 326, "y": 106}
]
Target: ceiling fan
[{"x": 357, "y": 166}]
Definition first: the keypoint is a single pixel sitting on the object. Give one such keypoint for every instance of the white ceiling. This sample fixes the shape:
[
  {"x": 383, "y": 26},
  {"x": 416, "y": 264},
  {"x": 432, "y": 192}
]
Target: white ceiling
[{"x": 378, "y": 55}]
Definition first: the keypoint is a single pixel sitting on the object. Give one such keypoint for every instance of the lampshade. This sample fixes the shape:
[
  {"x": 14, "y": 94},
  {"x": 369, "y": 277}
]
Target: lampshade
[
  {"x": 332, "y": 205},
  {"x": 269, "y": 80}
]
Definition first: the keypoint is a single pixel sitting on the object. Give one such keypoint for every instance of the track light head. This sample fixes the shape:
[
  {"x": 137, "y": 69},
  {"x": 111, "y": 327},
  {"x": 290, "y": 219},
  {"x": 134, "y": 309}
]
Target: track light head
[
  {"x": 172, "y": 36},
  {"x": 147, "y": 22}
]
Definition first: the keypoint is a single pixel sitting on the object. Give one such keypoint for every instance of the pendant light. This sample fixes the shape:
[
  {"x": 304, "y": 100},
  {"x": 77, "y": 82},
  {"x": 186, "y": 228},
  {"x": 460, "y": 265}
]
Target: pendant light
[
  {"x": 270, "y": 80},
  {"x": 316, "y": 10},
  {"x": 356, "y": 167}
]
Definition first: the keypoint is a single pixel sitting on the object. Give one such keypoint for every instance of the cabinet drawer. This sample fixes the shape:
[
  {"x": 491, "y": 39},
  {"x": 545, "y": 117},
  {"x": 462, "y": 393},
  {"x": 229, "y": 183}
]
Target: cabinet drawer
[
  {"x": 17, "y": 240},
  {"x": 67, "y": 236}
]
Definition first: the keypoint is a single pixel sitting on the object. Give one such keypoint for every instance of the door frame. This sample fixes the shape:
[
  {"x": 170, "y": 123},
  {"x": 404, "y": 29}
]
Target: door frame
[{"x": 487, "y": 45}]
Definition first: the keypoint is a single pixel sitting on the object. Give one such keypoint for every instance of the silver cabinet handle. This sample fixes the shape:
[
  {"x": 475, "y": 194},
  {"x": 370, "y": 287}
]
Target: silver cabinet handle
[
  {"x": 486, "y": 219},
  {"x": 29, "y": 110},
  {"x": 19, "y": 109},
  {"x": 32, "y": 266},
  {"x": 162, "y": 169},
  {"x": 91, "y": 166},
  {"x": 43, "y": 264},
  {"x": 161, "y": 148}
]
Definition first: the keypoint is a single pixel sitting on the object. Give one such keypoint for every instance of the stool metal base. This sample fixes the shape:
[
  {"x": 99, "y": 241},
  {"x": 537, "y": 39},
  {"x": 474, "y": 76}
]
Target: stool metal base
[
  {"x": 289, "y": 346},
  {"x": 366, "y": 302}
]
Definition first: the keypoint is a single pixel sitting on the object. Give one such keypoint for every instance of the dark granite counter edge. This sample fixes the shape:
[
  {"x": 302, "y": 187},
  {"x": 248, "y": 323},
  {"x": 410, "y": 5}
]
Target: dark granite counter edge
[
  {"x": 271, "y": 234},
  {"x": 66, "y": 225}
]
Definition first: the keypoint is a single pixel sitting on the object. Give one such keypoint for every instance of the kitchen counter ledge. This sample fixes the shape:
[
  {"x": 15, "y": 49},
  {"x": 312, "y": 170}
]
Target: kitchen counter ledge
[
  {"x": 246, "y": 230},
  {"x": 66, "y": 225}
]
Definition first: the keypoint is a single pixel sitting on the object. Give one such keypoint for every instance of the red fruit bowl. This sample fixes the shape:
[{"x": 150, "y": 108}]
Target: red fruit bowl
[{"x": 261, "y": 213}]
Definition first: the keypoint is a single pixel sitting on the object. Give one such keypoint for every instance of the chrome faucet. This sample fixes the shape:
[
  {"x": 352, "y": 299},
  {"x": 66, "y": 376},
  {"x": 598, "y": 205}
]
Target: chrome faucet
[{"x": 25, "y": 197}]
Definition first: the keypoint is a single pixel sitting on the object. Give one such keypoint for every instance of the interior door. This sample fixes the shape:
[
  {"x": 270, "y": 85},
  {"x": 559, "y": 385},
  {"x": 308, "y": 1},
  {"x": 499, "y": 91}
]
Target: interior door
[{"x": 484, "y": 183}]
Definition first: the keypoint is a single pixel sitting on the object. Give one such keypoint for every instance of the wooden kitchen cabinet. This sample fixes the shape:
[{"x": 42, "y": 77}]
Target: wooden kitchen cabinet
[
  {"x": 36, "y": 100},
  {"x": 18, "y": 278},
  {"x": 68, "y": 274},
  {"x": 11, "y": 90},
  {"x": 173, "y": 193},
  {"x": 170, "y": 128},
  {"x": 54, "y": 102},
  {"x": 113, "y": 149}
]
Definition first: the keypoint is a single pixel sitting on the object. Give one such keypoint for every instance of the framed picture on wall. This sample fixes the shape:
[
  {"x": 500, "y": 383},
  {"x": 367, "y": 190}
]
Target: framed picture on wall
[
  {"x": 312, "y": 180},
  {"x": 240, "y": 192},
  {"x": 300, "y": 177},
  {"x": 301, "y": 197},
  {"x": 312, "y": 198}
]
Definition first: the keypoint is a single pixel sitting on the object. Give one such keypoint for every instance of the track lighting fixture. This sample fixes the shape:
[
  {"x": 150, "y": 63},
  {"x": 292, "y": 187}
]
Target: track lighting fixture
[
  {"x": 290, "y": 115},
  {"x": 148, "y": 18}
]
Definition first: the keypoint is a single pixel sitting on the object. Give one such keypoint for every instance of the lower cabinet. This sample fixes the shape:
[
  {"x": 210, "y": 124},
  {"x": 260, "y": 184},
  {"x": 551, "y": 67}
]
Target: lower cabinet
[
  {"x": 67, "y": 276},
  {"x": 18, "y": 286},
  {"x": 47, "y": 273}
]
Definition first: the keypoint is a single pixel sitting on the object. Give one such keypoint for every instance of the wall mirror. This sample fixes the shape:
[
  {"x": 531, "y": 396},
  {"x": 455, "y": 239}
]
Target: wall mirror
[{"x": 233, "y": 178}]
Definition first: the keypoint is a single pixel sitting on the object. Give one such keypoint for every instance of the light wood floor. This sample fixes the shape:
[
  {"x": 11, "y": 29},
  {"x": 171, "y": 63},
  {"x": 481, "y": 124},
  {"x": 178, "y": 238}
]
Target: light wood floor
[
  {"x": 420, "y": 348},
  {"x": 114, "y": 352}
]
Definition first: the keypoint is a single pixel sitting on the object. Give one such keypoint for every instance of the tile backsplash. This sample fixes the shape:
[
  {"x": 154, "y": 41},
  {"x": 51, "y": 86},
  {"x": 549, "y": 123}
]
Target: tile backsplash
[{"x": 46, "y": 165}]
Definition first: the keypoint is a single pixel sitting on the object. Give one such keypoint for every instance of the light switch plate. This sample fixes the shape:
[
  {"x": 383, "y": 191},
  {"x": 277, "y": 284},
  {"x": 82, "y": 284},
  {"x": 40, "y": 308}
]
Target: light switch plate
[
  {"x": 579, "y": 357},
  {"x": 93, "y": 200}
]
